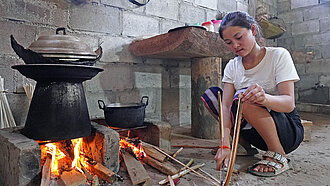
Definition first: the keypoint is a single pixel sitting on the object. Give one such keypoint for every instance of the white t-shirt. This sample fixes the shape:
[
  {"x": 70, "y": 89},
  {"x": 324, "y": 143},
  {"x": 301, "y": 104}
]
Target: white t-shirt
[{"x": 276, "y": 66}]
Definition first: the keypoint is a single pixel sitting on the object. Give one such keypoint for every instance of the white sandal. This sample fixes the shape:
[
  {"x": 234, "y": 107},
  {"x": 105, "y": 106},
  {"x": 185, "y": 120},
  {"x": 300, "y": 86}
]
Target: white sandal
[{"x": 278, "y": 169}]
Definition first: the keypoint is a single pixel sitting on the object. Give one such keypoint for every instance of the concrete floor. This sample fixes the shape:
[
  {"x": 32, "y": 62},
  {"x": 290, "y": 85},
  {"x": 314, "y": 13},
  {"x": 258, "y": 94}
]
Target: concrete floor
[{"x": 310, "y": 163}]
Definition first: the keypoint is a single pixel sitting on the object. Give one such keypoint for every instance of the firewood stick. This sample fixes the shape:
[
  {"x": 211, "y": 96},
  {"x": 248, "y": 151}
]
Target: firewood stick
[
  {"x": 180, "y": 174},
  {"x": 102, "y": 172},
  {"x": 221, "y": 172},
  {"x": 186, "y": 166},
  {"x": 177, "y": 152},
  {"x": 88, "y": 176},
  {"x": 45, "y": 180},
  {"x": 170, "y": 180},
  {"x": 191, "y": 161},
  {"x": 165, "y": 167},
  {"x": 195, "y": 146}
]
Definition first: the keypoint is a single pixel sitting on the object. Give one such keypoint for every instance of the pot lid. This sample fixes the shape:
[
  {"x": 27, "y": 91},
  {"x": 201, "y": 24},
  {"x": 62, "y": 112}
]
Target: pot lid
[{"x": 62, "y": 46}]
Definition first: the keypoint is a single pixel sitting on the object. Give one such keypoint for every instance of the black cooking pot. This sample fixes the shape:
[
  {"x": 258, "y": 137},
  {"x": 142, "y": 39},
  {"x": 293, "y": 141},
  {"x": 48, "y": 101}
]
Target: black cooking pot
[{"x": 124, "y": 115}]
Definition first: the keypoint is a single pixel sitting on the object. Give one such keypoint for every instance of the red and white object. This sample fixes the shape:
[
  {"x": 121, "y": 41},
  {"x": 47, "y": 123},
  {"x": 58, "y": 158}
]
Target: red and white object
[{"x": 209, "y": 26}]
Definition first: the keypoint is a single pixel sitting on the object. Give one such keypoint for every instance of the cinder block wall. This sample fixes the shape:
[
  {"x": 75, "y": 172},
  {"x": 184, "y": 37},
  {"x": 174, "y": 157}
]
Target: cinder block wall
[
  {"x": 114, "y": 24},
  {"x": 307, "y": 38}
]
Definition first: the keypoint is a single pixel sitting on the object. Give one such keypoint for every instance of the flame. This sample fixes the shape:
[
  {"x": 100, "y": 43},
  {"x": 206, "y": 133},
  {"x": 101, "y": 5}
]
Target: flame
[
  {"x": 77, "y": 145},
  {"x": 138, "y": 150},
  {"x": 56, "y": 155}
]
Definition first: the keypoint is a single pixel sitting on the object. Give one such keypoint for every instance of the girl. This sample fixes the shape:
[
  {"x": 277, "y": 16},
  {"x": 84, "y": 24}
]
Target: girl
[{"x": 264, "y": 76}]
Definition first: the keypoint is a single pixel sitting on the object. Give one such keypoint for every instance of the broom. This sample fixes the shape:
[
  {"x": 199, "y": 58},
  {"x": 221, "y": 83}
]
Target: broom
[
  {"x": 29, "y": 89},
  {"x": 6, "y": 116}
]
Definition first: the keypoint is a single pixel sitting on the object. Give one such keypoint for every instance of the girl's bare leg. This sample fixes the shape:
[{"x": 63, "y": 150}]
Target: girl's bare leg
[{"x": 262, "y": 121}]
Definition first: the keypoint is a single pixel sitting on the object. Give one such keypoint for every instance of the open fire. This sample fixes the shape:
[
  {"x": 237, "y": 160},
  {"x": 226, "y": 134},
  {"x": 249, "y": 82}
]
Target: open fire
[
  {"x": 63, "y": 154},
  {"x": 68, "y": 155}
]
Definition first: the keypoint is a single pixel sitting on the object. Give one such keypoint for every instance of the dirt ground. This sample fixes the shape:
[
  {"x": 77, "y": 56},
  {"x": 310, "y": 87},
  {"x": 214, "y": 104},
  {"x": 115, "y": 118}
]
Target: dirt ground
[{"x": 309, "y": 165}]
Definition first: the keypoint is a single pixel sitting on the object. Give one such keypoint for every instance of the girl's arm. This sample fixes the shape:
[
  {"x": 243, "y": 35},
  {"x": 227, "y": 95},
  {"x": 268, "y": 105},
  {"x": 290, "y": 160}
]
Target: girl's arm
[
  {"x": 284, "y": 102},
  {"x": 227, "y": 99}
]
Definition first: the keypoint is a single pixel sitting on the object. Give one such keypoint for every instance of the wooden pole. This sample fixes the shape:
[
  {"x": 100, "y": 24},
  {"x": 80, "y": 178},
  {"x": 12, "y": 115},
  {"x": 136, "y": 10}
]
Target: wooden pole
[
  {"x": 237, "y": 128},
  {"x": 221, "y": 133}
]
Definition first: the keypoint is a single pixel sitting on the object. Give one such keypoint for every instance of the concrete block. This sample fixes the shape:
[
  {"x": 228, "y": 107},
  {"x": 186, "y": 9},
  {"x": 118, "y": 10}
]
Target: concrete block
[
  {"x": 283, "y": 7},
  {"x": 45, "y": 12},
  {"x": 19, "y": 158},
  {"x": 303, "y": 3},
  {"x": 325, "y": 52},
  {"x": 301, "y": 57},
  {"x": 226, "y": 6},
  {"x": 138, "y": 25},
  {"x": 317, "y": 12},
  {"x": 157, "y": 8},
  {"x": 185, "y": 118},
  {"x": 305, "y": 27},
  {"x": 306, "y": 81},
  {"x": 16, "y": 29},
  {"x": 299, "y": 42},
  {"x": 242, "y": 7},
  {"x": 292, "y": 17},
  {"x": 211, "y": 15},
  {"x": 153, "y": 110},
  {"x": 88, "y": 18},
  {"x": 185, "y": 99},
  {"x": 147, "y": 80},
  {"x": 191, "y": 14},
  {"x": 318, "y": 95},
  {"x": 286, "y": 42},
  {"x": 116, "y": 77},
  {"x": 324, "y": 25},
  {"x": 211, "y": 4},
  {"x": 312, "y": 107},
  {"x": 325, "y": 80},
  {"x": 185, "y": 81},
  {"x": 318, "y": 39},
  {"x": 307, "y": 129},
  {"x": 166, "y": 25},
  {"x": 324, "y": 1},
  {"x": 301, "y": 69},
  {"x": 106, "y": 142}
]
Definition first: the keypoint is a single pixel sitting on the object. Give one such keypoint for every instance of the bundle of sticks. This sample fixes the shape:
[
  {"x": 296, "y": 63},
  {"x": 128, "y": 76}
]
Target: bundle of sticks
[
  {"x": 29, "y": 89},
  {"x": 6, "y": 116}
]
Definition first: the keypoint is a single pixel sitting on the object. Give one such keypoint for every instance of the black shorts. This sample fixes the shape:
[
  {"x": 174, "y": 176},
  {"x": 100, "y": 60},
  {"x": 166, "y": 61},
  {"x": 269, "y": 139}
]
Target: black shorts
[{"x": 289, "y": 129}]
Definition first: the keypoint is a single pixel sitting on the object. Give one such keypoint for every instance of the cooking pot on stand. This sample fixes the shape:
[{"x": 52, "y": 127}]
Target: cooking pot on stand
[{"x": 124, "y": 115}]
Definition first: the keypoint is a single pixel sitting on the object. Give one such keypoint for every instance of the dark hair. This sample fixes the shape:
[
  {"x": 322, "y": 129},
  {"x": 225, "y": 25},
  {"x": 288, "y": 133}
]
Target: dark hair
[{"x": 241, "y": 19}]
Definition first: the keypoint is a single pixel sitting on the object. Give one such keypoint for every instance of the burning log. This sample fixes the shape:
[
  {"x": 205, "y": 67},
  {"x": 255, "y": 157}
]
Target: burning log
[
  {"x": 164, "y": 167},
  {"x": 67, "y": 148},
  {"x": 135, "y": 169},
  {"x": 45, "y": 180},
  {"x": 71, "y": 178},
  {"x": 101, "y": 171},
  {"x": 151, "y": 151}
]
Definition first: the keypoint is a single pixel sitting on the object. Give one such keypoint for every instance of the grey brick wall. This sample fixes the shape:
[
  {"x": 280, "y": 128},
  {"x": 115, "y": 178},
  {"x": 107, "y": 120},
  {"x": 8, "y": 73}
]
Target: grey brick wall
[{"x": 307, "y": 37}]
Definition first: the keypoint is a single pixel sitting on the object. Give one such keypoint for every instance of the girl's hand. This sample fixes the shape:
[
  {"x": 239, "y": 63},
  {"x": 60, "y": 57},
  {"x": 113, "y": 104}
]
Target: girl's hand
[
  {"x": 220, "y": 158},
  {"x": 254, "y": 94}
]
